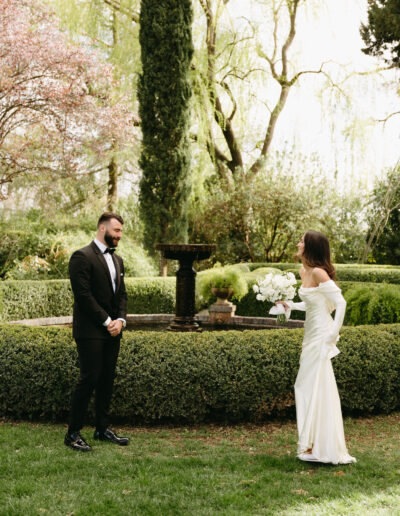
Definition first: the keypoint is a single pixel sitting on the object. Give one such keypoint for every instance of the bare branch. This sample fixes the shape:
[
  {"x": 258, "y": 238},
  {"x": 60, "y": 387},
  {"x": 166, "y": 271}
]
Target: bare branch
[
  {"x": 369, "y": 72},
  {"x": 233, "y": 100},
  {"x": 384, "y": 120},
  {"x": 269, "y": 60},
  {"x": 116, "y": 6},
  {"x": 231, "y": 73}
]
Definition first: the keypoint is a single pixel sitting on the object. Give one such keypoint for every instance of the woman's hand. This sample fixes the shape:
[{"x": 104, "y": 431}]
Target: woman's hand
[{"x": 285, "y": 305}]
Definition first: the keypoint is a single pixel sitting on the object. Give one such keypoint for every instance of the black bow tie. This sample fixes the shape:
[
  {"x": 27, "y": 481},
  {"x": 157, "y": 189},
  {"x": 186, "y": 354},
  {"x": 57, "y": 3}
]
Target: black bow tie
[{"x": 108, "y": 250}]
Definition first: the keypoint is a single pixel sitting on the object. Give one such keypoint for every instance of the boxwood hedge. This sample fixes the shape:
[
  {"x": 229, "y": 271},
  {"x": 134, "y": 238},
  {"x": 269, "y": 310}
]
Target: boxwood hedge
[
  {"x": 52, "y": 298},
  {"x": 229, "y": 376},
  {"x": 346, "y": 272},
  {"x": 24, "y": 299}
]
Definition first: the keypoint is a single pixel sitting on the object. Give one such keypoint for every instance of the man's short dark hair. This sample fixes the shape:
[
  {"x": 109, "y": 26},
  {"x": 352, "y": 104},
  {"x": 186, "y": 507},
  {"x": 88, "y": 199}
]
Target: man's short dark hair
[{"x": 108, "y": 215}]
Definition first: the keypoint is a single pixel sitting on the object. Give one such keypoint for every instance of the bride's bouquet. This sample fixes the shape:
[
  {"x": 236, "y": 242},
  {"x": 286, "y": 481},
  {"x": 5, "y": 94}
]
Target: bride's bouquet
[{"x": 276, "y": 287}]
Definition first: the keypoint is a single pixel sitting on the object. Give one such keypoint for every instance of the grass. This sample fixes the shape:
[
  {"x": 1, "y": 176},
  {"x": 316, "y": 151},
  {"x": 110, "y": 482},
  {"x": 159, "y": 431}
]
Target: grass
[{"x": 205, "y": 470}]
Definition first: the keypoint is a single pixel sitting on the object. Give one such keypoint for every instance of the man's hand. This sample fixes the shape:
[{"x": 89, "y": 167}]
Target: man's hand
[{"x": 114, "y": 328}]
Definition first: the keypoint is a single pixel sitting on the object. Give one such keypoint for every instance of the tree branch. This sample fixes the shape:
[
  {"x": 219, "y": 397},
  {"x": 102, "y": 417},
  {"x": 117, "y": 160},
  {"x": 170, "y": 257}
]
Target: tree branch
[{"x": 116, "y": 6}]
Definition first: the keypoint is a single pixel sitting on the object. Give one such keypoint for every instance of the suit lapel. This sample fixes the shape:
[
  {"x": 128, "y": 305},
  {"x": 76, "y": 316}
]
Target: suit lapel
[
  {"x": 103, "y": 262},
  {"x": 117, "y": 272}
]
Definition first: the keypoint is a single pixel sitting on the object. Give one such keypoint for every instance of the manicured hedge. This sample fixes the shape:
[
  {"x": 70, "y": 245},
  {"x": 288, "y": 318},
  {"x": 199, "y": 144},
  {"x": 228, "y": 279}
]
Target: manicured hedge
[
  {"x": 249, "y": 306},
  {"x": 151, "y": 295},
  {"x": 230, "y": 376},
  {"x": 52, "y": 298},
  {"x": 29, "y": 299},
  {"x": 26, "y": 299},
  {"x": 344, "y": 272}
]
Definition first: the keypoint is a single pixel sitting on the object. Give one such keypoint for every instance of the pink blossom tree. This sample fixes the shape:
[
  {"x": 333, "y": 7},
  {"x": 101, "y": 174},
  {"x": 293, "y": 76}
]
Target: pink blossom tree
[{"x": 59, "y": 110}]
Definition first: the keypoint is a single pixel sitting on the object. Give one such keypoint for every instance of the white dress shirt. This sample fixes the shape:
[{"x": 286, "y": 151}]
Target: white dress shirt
[
  {"x": 113, "y": 273},
  {"x": 110, "y": 262}
]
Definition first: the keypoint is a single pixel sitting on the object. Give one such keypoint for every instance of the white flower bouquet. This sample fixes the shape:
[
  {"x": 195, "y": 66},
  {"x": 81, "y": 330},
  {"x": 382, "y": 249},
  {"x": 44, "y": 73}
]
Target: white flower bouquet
[{"x": 276, "y": 287}]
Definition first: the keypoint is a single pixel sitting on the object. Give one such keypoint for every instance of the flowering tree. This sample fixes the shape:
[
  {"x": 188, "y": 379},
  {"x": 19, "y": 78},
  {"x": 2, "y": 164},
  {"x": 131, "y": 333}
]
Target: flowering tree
[{"x": 57, "y": 111}]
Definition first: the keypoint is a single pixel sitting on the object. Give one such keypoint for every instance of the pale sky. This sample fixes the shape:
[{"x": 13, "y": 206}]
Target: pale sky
[{"x": 345, "y": 134}]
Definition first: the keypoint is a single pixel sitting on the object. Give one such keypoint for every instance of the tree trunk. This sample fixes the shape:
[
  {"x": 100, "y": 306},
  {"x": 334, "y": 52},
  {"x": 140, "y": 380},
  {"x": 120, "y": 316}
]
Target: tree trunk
[
  {"x": 112, "y": 191},
  {"x": 163, "y": 266}
]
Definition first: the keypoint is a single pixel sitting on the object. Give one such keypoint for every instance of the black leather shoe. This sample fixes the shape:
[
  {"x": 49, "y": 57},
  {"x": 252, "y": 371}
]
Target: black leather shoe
[
  {"x": 110, "y": 436},
  {"x": 76, "y": 442}
]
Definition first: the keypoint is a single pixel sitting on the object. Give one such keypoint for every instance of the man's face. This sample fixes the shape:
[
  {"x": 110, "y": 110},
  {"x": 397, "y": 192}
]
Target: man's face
[{"x": 113, "y": 232}]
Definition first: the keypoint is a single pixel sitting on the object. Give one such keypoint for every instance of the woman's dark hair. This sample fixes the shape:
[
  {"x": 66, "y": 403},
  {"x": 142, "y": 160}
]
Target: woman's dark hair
[
  {"x": 108, "y": 215},
  {"x": 317, "y": 252}
]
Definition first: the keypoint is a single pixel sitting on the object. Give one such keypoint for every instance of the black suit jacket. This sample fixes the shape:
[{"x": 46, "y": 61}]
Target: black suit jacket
[{"x": 94, "y": 298}]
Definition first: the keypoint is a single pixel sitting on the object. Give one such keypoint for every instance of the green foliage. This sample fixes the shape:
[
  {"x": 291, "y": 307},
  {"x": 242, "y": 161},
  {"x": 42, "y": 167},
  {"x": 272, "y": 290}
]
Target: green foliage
[
  {"x": 368, "y": 370},
  {"x": 371, "y": 274},
  {"x": 228, "y": 376},
  {"x": 151, "y": 295},
  {"x": 261, "y": 272},
  {"x": 164, "y": 92},
  {"x": 345, "y": 272},
  {"x": 382, "y": 33},
  {"x": 249, "y": 306},
  {"x": 53, "y": 298},
  {"x": 221, "y": 277},
  {"x": 35, "y": 247},
  {"x": 384, "y": 219},
  {"x": 344, "y": 225},
  {"x": 373, "y": 304},
  {"x": 34, "y": 299},
  {"x": 248, "y": 218}
]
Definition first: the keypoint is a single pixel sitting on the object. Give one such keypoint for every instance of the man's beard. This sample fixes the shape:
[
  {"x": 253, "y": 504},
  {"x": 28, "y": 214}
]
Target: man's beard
[{"x": 110, "y": 241}]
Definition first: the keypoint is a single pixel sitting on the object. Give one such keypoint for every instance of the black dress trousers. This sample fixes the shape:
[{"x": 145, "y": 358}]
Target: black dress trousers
[{"x": 97, "y": 359}]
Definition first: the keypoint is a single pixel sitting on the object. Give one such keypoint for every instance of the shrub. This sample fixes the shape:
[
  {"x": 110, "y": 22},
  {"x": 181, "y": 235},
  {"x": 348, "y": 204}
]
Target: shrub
[
  {"x": 249, "y": 306},
  {"x": 228, "y": 376},
  {"x": 44, "y": 254},
  {"x": 373, "y": 304},
  {"x": 53, "y": 298},
  {"x": 371, "y": 274},
  {"x": 221, "y": 277},
  {"x": 151, "y": 295},
  {"x": 30, "y": 299},
  {"x": 344, "y": 272}
]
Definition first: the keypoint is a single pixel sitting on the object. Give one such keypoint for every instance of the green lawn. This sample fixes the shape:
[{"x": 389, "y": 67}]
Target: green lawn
[{"x": 232, "y": 470}]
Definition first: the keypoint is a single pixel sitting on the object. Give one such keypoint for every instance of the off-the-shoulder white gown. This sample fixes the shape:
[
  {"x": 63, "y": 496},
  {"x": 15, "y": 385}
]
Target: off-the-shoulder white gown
[{"x": 319, "y": 415}]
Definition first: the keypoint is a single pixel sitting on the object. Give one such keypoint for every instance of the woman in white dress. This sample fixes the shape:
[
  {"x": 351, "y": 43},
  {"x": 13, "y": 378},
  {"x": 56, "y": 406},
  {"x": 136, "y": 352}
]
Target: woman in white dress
[{"x": 319, "y": 415}]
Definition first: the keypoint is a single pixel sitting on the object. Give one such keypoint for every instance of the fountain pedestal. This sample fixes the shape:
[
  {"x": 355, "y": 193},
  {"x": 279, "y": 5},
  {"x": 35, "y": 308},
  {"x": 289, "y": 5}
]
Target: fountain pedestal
[{"x": 186, "y": 254}]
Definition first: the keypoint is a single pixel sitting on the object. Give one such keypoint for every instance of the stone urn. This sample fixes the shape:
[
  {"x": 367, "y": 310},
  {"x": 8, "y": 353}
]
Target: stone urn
[
  {"x": 223, "y": 310},
  {"x": 222, "y": 294}
]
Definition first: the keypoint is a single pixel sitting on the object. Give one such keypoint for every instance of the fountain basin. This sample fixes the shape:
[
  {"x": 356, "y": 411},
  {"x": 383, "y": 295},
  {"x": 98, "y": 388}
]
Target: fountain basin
[{"x": 160, "y": 322}]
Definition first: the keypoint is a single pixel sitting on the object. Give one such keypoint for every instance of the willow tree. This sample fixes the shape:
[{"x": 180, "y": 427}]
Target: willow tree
[
  {"x": 164, "y": 93},
  {"x": 382, "y": 34},
  {"x": 112, "y": 27},
  {"x": 241, "y": 57}
]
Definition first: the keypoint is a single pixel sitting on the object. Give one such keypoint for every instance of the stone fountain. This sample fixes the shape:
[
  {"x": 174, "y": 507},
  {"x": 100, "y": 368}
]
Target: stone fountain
[{"x": 186, "y": 254}]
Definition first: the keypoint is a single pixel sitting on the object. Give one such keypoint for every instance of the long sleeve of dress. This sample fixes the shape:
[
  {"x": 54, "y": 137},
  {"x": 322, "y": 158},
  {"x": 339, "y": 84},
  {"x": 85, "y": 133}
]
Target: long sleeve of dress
[
  {"x": 336, "y": 301},
  {"x": 297, "y": 306},
  {"x": 279, "y": 308}
]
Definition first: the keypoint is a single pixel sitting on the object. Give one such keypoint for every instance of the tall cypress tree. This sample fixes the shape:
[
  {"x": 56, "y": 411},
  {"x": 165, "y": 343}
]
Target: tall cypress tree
[
  {"x": 382, "y": 32},
  {"x": 164, "y": 93}
]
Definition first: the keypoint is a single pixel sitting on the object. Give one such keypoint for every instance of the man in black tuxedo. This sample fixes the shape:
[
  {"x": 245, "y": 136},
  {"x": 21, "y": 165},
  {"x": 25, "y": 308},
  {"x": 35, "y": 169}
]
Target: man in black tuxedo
[{"x": 97, "y": 280}]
